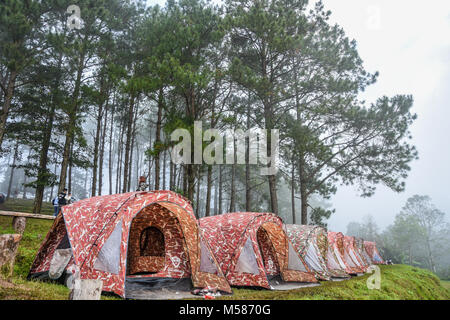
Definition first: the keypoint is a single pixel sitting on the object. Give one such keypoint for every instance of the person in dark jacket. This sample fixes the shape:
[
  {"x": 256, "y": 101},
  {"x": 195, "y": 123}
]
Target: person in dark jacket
[{"x": 62, "y": 201}]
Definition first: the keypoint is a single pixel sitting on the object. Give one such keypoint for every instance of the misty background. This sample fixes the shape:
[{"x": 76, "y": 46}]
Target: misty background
[{"x": 408, "y": 43}]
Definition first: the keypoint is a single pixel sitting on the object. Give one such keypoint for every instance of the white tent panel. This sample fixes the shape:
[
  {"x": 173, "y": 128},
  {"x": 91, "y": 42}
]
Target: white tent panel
[
  {"x": 247, "y": 260},
  {"x": 206, "y": 262},
  {"x": 353, "y": 256},
  {"x": 108, "y": 259},
  {"x": 294, "y": 262},
  {"x": 312, "y": 259},
  {"x": 331, "y": 261}
]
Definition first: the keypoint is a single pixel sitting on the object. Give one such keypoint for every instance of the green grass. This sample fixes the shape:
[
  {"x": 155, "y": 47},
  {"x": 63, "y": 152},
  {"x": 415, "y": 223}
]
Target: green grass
[
  {"x": 25, "y": 205},
  {"x": 17, "y": 287},
  {"x": 34, "y": 234},
  {"x": 398, "y": 282},
  {"x": 446, "y": 284}
]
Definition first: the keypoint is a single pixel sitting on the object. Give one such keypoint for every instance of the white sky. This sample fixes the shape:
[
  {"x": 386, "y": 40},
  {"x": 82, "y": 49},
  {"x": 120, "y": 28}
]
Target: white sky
[{"x": 408, "y": 42}]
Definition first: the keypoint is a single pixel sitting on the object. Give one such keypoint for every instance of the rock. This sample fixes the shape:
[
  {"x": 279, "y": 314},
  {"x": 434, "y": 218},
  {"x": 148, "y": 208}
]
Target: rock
[
  {"x": 19, "y": 224},
  {"x": 9, "y": 244},
  {"x": 85, "y": 289},
  {"x": 59, "y": 262}
]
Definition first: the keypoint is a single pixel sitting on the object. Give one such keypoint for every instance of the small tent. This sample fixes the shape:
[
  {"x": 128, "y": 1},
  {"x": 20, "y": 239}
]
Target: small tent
[
  {"x": 311, "y": 242},
  {"x": 335, "y": 264},
  {"x": 372, "y": 251},
  {"x": 350, "y": 246},
  {"x": 251, "y": 248},
  {"x": 359, "y": 242},
  {"x": 131, "y": 241},
  {"x": 340, "y": 253}
]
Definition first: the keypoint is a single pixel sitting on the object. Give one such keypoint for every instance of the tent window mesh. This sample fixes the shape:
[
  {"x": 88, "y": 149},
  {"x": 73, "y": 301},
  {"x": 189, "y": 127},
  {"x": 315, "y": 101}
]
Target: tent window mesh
[
  {"x": 339, "y": 259},
  {"x": 366, "y": 256},
  {"x": 294, "y": 262},
  {"x": 206, "y": 262},
  {"x": 349, "y": 260},
  {"x": 312, "y": 259},
  {"x": 247, "y": 259},
  {"x": 331, "y": 261},
  {"x": 353, "y": 256},
  {"x": 108, "y": 259}
]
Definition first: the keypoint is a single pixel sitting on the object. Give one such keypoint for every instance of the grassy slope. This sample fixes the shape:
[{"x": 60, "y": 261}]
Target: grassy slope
[
  {"x": 34, "y": 234},
  {"x": 397, "y": 282},
  {"x": 446, "y": 284},
  {"x": 18, "y": 288}
]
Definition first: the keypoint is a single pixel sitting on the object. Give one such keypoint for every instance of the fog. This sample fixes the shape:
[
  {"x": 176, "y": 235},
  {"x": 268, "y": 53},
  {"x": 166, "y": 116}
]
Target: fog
[{"x": 408, "y": 43}]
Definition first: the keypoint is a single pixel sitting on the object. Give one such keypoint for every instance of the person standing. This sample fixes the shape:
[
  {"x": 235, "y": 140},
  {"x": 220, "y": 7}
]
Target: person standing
[
  {"x": 62, "y": 201},
  {"x": 55, "y": 203},
  {"x": 70, "y": 199},
  {"x": 142, "y": 186}
]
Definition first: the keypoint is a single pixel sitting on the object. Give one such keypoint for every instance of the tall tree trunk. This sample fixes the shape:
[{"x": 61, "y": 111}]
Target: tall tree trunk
[
  {"x": 172, "y": 175},
  {"x": 70, "y": 130},
  {"x": 69, "y": 187},
  {"x": 42, "y": 175},
  {"x": 13, "y": 167},
  {"x": 216, "y": 194},
  {"x": 110, "y": 156},
  {"x": 102, "y": 152},
  {"x": 233, "y": 182},
  {"x": 197, "y": 201},
  {"x": 119, "y": 158},
  {"x": 208, "y": 192},
  {"x": 184, "y": 175},
  {"x": 138, "y": 161},
  {"x": 248, "y": 194},
  {"x": 191, "y": 181},
  {"x": 158, "y": 140},
  {"x": 220, "y": 190},
  {"x": 128, "y": 143},
  {"x": 150, "y": 162},
  {"x": 430, "y": 256},
  {"x": 303, "y": 191},
  {"x": 97, "y": 141},
  {"x": 164, "y": 169},
  {"x": 8, "y": 96},
  {"x": 133, "y": 139},
  {"x": 268, "y": 119},
  {"x": 293, "y": 192}
]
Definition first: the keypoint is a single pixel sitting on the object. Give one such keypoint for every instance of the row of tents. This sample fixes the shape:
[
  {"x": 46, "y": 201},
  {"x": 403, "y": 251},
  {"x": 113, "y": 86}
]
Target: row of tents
[{"x": 152, "y": 240}]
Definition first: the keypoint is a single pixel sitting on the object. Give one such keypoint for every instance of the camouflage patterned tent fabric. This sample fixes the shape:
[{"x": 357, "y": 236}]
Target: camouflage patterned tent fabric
[
  {"x": 311, "y": 242},
  {"x": 350, "y": 247},
  {"x": 372, "y": 251},
  {"x": 362, "y": 252},
  {"x": 252, "y": 247},
  {"x": 153, "y": 236},
  {"x": 340, "y": 253}
]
